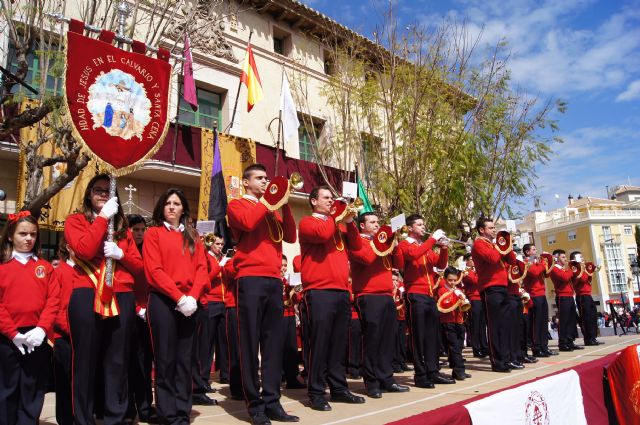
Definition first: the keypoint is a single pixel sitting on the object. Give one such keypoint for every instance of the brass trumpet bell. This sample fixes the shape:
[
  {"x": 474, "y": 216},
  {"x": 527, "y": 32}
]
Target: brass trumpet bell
[
  {"x": 209, "y": 239},
  {"x": 296, "y": 182}
]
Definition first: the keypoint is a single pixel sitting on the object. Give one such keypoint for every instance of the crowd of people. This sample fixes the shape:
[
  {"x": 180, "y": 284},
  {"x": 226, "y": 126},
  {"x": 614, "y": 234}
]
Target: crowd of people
[{"x": 161, "y": 307}]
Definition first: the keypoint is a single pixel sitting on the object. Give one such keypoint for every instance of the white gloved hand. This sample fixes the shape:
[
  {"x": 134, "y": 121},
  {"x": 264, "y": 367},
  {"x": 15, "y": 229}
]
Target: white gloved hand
[
  {"x": 142, "y": 313},
  {"x": 112, "y": 250},
  {"x": 35, "y": 337},
  {"x": 187, "y": 305},
  {"x": 438, "y": 234},
  {"x": 110, "y": 208},
  {"x": 578, "y": 258},
  {"x": 20, "y": 341}
]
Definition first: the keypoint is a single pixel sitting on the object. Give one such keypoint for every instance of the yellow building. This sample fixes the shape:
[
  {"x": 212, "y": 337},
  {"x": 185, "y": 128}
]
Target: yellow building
[{"x": 604, "y": 231}]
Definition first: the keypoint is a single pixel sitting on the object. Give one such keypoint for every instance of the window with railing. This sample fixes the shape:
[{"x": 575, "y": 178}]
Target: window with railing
[
  {"x": 615, "y": 267},
  {"x": 208, "y": 113},
  {"x": 628, "y": 231},
  {"x": 35, "y": 63}
]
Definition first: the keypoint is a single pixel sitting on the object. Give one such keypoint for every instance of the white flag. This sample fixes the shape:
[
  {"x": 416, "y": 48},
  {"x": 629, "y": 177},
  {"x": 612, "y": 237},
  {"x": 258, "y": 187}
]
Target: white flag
[{"x": 290, "y": 121}]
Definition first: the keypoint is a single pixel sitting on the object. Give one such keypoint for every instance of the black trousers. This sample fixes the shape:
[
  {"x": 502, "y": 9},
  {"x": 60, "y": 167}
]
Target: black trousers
[
  {"x": 289, "y": 350},
  {"x": 140, "y": 365},
  {"x": 498, "y": 306},
  {"x": 539, "y": 318},
  {"x": 354, "y": 349},
  {"x": 304, "y": 333},
  {"x": 172, "y": 338},
  {"x": 378, "y": 321},
  {"x": 588, "y": 317},
  {"x": 100, "y": 346},
  {"x": 478, "y": 328},
  {"x": 516, "y": 324},
  {"x": 200, "y": 354},
  {"x": 425, "y": 336},
  {"x": 454, "y": 338},
  {"x": 260, "y": 311},
  {"x": 217, "y": 340},
  {"x": 62, "y": 375},
  {"x": 329, "y": 313},
  {"x": 235, "y": 379},
  {"x": 400, "y": 354},
  {"x": 567, "y": 320},
  {"x": 23, "y": 382}
]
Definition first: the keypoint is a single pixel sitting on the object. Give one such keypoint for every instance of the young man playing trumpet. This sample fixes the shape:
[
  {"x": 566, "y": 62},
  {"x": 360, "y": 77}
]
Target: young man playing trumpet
[
  {"x": 561, "y": 276},
  {"x": 584, "y": 301}
]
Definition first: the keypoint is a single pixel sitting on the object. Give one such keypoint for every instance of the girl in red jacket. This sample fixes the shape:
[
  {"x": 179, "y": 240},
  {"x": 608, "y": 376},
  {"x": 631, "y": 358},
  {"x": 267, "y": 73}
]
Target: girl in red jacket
[
  {"x": 29, "y": 297},
  {"x": 101, "y": 318},
  {"x": 176, "y": 269}
]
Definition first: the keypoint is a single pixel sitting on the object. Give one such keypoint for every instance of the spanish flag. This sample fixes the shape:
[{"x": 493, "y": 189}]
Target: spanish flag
[{"x": 251, "y": 79}]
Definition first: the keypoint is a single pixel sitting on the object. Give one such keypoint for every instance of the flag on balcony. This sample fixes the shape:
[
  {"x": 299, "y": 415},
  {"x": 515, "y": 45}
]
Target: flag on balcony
[
  {"x": 362, "y": 194},
  {"x": 218, "y": 193},
  {"x": 251, "y": 79},
  {"x": 290, "y": 122},
  {"x": 188, "y": 83}
]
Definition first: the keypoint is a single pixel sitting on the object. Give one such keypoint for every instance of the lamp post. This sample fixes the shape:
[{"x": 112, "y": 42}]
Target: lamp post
[{"x": 635, "y": 270}]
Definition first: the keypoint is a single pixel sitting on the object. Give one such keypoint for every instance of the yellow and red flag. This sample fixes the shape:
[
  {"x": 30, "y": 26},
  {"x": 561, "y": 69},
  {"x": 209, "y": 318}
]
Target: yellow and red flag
[{"x": 251, "y": 79}]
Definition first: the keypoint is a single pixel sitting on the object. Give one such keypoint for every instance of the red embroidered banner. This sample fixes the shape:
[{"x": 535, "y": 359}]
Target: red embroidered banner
[{"x": 118, "y": 102}]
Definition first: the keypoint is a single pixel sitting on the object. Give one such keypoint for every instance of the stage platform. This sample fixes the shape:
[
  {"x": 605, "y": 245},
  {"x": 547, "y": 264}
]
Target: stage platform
[{"x": 394, "y": 407}]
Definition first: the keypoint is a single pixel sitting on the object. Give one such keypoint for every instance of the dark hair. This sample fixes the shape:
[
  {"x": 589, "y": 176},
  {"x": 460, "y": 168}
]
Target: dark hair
[
  {"x": 316, "y": 191},
  {"x": 572, "y": 256},
  {"x": 63, "y": 250},
  {"x": 284, "y": 257},
  {"x": 362, "y": 218},
  {"x": 134, "y": 219},
  {"x": 189, "y": 234},
  {"x": 450, "y": 270},
  {"x": 413, "y": 218},
  {"x": 527, "y": 247},
  {"x": 466, "y": 256},
  {"x": 120, "y": 224},
  {"x": 558, "y": 252},
  {"x": 246, "y": 174},
  {"x": 6, "y": 242},
  {"x": 482, "y": 222}
]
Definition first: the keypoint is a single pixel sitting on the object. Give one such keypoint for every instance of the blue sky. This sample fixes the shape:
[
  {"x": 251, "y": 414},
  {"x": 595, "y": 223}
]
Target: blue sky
[{"x": 585, "y": 52}]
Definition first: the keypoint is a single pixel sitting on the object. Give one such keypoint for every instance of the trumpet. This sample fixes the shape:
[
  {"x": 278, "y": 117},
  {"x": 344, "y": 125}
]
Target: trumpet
[
  {"x": 296, "y": 182},
  {"x": 524, "y": 296},
  {"x": 356, "y": 206},
  {"x": 209, "y": 239}
]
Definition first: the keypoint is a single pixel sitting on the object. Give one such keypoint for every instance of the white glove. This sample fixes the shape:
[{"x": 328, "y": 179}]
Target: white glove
[
  {"x": 112, "y": 250},
  {"x": 438, "y": 234},
  {"x": 187, "y": 305},
  {"x": 20, "y": 341},
  {"x": 578, "y": 258},
  {"x": 110, "y": 208},
  {"x": 142, "y": 313},
  {"x": 35, "y": 337}
]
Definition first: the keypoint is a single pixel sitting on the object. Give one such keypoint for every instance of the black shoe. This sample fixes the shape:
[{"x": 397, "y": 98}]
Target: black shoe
[
  {"x": 296, "y": 386},
  {"x": 515, "y": 365},
  {"x": 425, "y": 384},
  {"x": 209, "y": 389},
  {"x": 347, "y": 397},
  {"x": 150, "y": 419},
  {"x": 320, "y": 404},
  {"x": 203, "y": 400},
  {"x": 374, "y": 393},
  {"x": 355, "y": 376},
  {"x": 590, "y": 343},
  {"x": 224, "y": 381},
  {"x": 279, "y": 415},
  {"x": 441, "y": 379},
  {"x": 550, "y": 352},
  {"x": 460, "y": 376},
  {"x": 406, "y": 368},
  {"x": 541, "y": 354},
  {"x": 397, "y": 370},
  {"x": 479, "y": 355},
  {"x": 260, "y": 419},
  {"x": 530, "y": 359},
  {"x": 501, "y": 369},
  {"x": 576, "y": 347},
  {"x": 396, "y": 388},
  {"x": 565, "y": 348}
]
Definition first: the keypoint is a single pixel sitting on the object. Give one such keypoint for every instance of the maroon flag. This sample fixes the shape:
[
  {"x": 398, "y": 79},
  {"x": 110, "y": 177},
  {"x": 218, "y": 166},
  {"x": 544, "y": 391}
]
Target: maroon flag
[{"x": 189, "y": 85}]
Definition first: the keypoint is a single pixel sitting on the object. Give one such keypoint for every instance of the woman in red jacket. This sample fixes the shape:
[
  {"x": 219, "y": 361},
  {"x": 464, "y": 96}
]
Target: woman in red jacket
[
  {"x": 176, "y": 269},
  {"x": 101, "y": 318},
  {"x": 29, "y": 297}
]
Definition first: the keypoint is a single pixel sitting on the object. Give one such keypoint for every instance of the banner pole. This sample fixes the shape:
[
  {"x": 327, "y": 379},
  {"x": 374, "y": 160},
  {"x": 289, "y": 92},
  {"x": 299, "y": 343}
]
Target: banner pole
[
  {"x": 279, "y": 123},
  {"x": 235, "y": 105}
]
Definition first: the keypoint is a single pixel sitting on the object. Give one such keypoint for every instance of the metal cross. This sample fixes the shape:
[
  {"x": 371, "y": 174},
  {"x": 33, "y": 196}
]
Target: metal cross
[{"x": 130, "y": 189}]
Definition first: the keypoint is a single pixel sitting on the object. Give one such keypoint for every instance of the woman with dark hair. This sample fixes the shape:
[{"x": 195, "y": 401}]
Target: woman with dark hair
[
  {"x": 101, "y": 318},
  {"x": 29, "y": 298},
  {"x": 176, "y": 269}
]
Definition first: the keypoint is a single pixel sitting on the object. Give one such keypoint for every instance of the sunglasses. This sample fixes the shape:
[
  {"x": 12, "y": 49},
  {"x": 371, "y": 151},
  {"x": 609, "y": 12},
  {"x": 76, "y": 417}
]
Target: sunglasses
[{"x": 100, "y": 192}]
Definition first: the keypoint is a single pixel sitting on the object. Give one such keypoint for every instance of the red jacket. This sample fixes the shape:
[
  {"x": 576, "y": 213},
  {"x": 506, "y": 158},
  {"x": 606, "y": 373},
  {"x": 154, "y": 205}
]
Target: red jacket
[
  {"x": 562, "y": 281},
  {"x": 582, "y": 285},
  {"x": 214, "y": 295},
  {"x": 471, "y": 288},
  {"x": 370, "y": 273},
  {"x": 325, "y": 263},
  {"x": 66, "y": 275},
  {"x": 455, "y": 316},
  {"x": 490, "y": 264},
  {"x": 29, "y": 296},
  {"x": 87, "y": 242},
  {"x": 534, "y": 280},
  {"x": 229, "y": 285},
  {"x": 417, "y": 260},
  {"x": 170, "y": 268},
  {"x": 257, "y": 229}
]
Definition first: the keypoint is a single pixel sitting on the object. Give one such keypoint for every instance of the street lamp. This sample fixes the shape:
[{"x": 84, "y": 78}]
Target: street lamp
[{"x": 635, "y": 270}]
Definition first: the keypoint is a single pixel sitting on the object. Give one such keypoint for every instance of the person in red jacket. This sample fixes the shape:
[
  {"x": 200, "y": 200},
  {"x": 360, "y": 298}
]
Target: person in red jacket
[
  {"x": 373, "y": 289},
  {"x": 417, "y": 260},
  {"x": 231, "y": 320},
  {"x": 539, "y": 312},
  {"x": 176, "y": 269},
  {"x": 101, "y": 319},
  {"x": 493, "y": 280},
  {"x": 584, "y": 302},
  {"x": 217, "y": 325},
  {"x": 259, "y": 233},
  {"x": 325, "y": 280},
  {"x": 29, "y": 300},
  {"x": 478, "y": 321},
  {"x": 561, "y": 277},
  {"x": 400, "y": 352},
  {"x": 290, "y": 361}
]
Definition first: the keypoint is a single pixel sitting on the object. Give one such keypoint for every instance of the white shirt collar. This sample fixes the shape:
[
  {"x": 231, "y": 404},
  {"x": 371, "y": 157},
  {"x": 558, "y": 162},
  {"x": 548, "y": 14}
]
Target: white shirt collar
[
  {"x": 558, "y": 266},
  {"x": 411, "y": 240},
  {"x": 250, "y": 197},
  {"x": 365, "y": 236},
  {"x": 23, "y": 257},
  {"x": 169, "y": 227},
  {"x": 320, "y": 216},
  {"x": 71, "y": 262}
]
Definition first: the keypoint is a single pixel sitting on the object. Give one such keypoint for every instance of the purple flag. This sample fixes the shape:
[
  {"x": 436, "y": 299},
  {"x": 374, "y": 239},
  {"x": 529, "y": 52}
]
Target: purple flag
[{"x": 188, "y": 84}]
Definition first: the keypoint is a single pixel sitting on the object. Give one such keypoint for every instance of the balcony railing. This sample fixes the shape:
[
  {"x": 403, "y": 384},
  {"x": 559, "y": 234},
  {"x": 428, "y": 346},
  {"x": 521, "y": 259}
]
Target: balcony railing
[{"x": 565, "y": 219}]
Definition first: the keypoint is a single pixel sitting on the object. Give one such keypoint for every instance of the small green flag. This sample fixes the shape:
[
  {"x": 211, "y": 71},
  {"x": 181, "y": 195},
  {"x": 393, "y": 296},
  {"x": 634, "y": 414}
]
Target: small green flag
[{"x": 362, "y": 194}]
